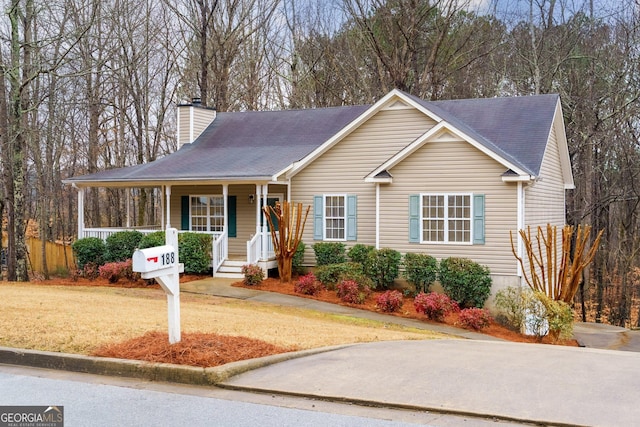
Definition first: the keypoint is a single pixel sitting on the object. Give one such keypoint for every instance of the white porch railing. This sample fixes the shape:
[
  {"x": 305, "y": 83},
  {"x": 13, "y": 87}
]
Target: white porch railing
[
  {"x": 220, "y": 250},
  {"x": 103, "y": 233},
  {"x": 254, "y": 248}
]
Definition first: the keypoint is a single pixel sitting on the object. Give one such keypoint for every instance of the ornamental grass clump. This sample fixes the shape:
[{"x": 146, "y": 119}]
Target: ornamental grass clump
[
  {"x": 389, "y": 301},
  {"x": 352, "y": 292},
  {"x": 474, "y": 318},
  {"x": 308, "y": 285},
  {"x": 253, "y": 274},
  {"x": 435, "y": 305}
]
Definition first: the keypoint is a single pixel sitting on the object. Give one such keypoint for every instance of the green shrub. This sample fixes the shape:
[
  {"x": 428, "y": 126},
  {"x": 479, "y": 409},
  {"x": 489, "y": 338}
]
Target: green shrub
[
  {"x": 89, "y": 250},
  {"x": 465, "y": 281},
  {"x": 253, "y": 274},
  {"x": 329, "y": 253},
  {"x": 512, "y": 304},
  {"x": 359, "y": 252},
  {"x": 382, "y": 266},
  {"x": 122, "y": 244},
  {"x": 151, "y": 240},
  {"x": 329, "y": 275},
  {"x": 559, "y": 317},
  {"x": 298, "y": 258},
  {"x": 194, "y": 251},
  {"x": 420, "y": 270}
]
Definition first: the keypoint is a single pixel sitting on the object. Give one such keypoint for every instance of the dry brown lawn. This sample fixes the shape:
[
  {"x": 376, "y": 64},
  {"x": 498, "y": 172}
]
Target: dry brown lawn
[{"x": 79, "y": 319}]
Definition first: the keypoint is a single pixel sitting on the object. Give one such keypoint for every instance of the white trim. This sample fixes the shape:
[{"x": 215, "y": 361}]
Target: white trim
[
  {"x": 432, "y": 134},
  {"x": 167, "y": 190},
  {"x": 208, "y": 215},
  {"x": 520, "y": 225},
  {"x": 225, "y": 209},
  {"x": 563, "y": 148},
  {"x": 394, "y": 95},
  {"x": 324, "y": 217},
  {"x": 377, "y": 215},
  {"x": 191, "y": 118},
  {"x": 446, "y": 219}
]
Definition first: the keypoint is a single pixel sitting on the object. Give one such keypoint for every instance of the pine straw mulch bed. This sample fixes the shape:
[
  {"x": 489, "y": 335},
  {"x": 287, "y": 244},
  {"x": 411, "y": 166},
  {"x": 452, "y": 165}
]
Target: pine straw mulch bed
[
  {"x": 495, "y": 329},
  {"x": 194, "y": 349}
]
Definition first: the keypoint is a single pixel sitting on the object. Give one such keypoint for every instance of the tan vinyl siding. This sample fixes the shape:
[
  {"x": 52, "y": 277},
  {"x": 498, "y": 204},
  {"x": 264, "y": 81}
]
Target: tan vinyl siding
[
  {"x": 245, "y": 211},
  {"x": 197, "y": 117},
  {"x": 545, "y": 200},
  {"x": 342, "y": 169},
  {"x": 452, "y": 167}
]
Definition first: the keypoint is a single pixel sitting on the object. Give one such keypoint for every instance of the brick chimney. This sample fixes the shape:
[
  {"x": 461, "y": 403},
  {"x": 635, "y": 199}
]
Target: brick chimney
[{"x": 193, "y": 119}]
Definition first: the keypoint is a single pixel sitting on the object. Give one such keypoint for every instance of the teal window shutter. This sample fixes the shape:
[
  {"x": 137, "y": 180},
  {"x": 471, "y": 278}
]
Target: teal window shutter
[
  {"x": 318, "y": 216},
  {"x": 352, "y": 226},
  {"x": 414, "y": 218},
  {"x": 478, "y": 219},
  {"x": 232, "y": 230},
  {"x": 184, "y": 213}
]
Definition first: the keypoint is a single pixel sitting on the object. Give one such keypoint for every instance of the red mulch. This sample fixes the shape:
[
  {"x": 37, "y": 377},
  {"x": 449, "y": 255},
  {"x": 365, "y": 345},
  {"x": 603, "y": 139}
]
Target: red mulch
[
  {"x": 194, "y": 349},
  {"x": 494, "y": 329}
]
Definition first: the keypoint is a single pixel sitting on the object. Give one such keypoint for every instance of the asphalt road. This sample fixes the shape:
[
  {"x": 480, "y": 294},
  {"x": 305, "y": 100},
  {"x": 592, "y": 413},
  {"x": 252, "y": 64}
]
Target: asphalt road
[{"x": 93, "y": 400}]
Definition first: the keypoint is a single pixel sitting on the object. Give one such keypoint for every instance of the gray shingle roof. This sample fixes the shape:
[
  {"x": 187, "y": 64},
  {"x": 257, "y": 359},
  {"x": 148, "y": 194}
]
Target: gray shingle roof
[
  {"x": 246, "y": 145},
  {"x": 516, "y": 128}
]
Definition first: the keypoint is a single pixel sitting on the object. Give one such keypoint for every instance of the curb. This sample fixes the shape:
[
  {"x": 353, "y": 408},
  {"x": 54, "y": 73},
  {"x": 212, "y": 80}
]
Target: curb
[{"x": 166, "y": 372}]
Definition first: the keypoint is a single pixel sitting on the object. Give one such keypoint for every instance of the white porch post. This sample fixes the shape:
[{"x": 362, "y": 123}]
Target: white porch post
[
  {"x": 162, "y": 220},
  {"x": 167, "y": 191},
  {"x": 128, "y": 221},
  {"x": 265, "y": 227},
  {"x": 225, "y": 197},
  {"x": 258, "y": 209},
  {"x": 80, "y": 211}
]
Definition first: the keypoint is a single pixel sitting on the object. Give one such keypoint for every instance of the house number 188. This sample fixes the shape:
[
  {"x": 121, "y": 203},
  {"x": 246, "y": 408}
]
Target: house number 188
[{"x": 168, "y": 258}]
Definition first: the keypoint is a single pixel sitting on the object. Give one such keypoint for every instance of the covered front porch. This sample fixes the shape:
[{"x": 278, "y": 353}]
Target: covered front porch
[{"x": 230, "y": 212}]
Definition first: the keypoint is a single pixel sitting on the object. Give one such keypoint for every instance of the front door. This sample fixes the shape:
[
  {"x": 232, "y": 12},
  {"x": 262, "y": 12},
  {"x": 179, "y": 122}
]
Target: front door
[{"x": 271, "y": 201}]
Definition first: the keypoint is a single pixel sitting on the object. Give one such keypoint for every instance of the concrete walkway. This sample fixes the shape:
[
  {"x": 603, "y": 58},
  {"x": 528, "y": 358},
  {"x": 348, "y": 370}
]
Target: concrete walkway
[{"x": 550, "y": 385}]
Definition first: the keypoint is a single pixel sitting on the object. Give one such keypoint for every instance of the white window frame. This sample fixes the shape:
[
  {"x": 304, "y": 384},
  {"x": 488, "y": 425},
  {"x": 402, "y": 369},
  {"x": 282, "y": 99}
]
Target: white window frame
[
  {"x": 209, "y": 217},
  {"x": 324, "y": 218},
  {"x": 446, "y": 219}
]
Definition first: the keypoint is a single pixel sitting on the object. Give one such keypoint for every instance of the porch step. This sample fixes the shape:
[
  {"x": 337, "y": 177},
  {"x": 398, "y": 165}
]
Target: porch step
[{"x": 231, "y": 269}]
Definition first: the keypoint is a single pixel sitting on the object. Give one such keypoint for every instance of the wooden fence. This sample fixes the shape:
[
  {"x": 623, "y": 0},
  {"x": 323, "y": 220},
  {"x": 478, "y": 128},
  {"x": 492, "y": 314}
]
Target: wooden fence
[{"x": 59, "y": 257}]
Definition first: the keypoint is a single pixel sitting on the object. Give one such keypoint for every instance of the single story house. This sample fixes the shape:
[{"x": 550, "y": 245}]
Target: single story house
[{"x": 446, "y": 178}]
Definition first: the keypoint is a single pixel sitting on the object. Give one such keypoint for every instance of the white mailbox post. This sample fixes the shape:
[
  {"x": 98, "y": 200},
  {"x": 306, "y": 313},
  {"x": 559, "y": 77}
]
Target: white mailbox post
[{"x": 161, "y": 263}]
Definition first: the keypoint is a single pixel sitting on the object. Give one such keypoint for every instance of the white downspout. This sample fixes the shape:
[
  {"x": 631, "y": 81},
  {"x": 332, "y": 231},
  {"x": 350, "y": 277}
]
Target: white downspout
[
  {"x": 377, "y": 215},
  {"x": 167, "y": 191}
]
